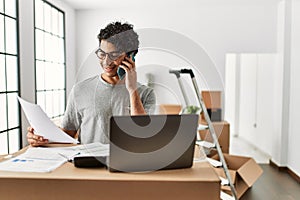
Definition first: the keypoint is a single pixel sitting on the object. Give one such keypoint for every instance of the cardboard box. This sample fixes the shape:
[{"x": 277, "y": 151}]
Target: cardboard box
[
  {"x": 222, "y": 130},
  {"x": 169, "y": 108},
  {"x": 212, "y": 99},
  {"x": 215, "y": 114},
  {"x": 245, "y": 172},
  {"x": 213, "y": 104},
  {"x": 198, "y": 182},
  {"x": 221, "y": 173}
]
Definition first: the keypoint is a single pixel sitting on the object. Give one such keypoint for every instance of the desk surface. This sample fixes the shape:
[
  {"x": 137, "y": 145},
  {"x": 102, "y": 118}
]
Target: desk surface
[
  {"x": 199, "y": 172},
  {"x": 201, "y": 180}
]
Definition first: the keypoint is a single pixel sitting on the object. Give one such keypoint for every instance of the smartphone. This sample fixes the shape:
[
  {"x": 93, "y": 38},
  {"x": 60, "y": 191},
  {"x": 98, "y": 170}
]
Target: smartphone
[{"x": 121, "y": 72}]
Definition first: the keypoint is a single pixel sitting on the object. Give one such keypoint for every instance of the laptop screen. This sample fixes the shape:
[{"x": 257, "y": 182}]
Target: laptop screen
[{"x": 152, "y": 142}]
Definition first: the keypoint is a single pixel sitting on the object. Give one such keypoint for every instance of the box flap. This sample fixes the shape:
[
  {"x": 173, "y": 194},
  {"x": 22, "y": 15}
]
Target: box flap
[
  {"x": 240, "y": 187},
  {"x": 250, "y": 172},
  {"x": 233, "y": 162},
  {"x": 220, "y": 172}
]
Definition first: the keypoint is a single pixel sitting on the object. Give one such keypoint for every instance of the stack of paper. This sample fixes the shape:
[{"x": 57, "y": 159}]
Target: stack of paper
[
  {"x": 92, "y": 149},
  {"x": 34, "y": 160},
  {"x": 46, "y": 159}
]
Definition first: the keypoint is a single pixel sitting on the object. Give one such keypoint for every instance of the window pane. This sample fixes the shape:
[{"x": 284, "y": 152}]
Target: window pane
[
  {"x": 47, "y": 17},
  {"x": 11, "y": 35},
  {"x": 61, "y": 51},
  {"x": 47, "y": 77},
  {"x": 40, "y": 75},
  {"x": 55, "y": 45},
  {"x": 60, "y": 24},
  {"x": 2, "y": 74},
  {"x": 1, "y": 6},
  {"x": 3, "y": 142},
  {"x": 52, "y": 50},
  {"x": 62, "y": 102},
  {"x": 48, "y": 47},
  {"x": 12, "y": 73},
  {"x": 14, "y": 140},
  {"x": 49, "y": 104},
  {"x": 10, "y": 7},
  {"x": 50, "y": 76},
  {"x": 13, "y": 110},
  {"x": 39, "y": 14},
  {"x": 61, "y": 76},
  {"x": 41, "y": 100},
  {"x": 54, "y": 21},
  {"x": 39, "y": 45},
  {"x": 3, "y": 117},
  {"x": 1, "y": 33},
  {"x": 56, "y": 103}
]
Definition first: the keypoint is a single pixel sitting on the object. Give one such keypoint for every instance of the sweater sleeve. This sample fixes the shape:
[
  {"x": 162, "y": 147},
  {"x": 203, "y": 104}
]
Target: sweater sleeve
[
  {"x": 149, "y": 100},
  {"x": 72, "y": 118}
]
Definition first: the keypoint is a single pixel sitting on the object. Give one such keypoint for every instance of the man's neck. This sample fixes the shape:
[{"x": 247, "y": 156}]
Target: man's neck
[{"x": 111, "y": 80}]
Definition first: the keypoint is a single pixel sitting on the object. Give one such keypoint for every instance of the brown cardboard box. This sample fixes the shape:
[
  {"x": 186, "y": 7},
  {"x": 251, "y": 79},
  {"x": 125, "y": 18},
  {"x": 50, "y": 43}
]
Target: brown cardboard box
[
  {"x": 222, "y": 131},
  {"x": 200, "y": 181},
  {"x": 169, "y": 108},
  {"x": 221, "y": 173},
  {"x": 213, "y": 104},
  {"x": 212, "y": 99},
  {"x": 246, "y": 170}
]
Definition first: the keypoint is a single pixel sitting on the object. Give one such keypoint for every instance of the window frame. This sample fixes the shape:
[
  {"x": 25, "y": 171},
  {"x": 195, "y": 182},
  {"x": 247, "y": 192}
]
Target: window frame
[
  {"x": 45, "y": 61},
  {"x": 18, "y": 91}
]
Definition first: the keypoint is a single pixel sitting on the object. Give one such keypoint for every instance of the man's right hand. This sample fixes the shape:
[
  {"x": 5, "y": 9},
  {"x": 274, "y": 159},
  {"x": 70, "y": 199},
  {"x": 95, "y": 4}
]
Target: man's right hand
[{"x": 35, "y": 140}]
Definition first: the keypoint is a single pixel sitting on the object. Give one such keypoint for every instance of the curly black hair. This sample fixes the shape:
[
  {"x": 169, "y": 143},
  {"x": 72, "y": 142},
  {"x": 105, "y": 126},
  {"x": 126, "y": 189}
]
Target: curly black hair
[{"x": 121, "y": 35}]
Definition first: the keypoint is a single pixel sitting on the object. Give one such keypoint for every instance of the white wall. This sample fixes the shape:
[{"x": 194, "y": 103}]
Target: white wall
[
  {"x": 230, "y": 91},
  {"x": 258, "y": 107},
  {"x": 269, "y": 92},
  {"x": 218, "y": 27},
  {"x": 26, "y": 15},
  {"x": 294, "y": 128}
]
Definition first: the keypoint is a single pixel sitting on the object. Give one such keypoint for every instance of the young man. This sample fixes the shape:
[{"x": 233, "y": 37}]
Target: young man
[{"x": 93, "y": 101}]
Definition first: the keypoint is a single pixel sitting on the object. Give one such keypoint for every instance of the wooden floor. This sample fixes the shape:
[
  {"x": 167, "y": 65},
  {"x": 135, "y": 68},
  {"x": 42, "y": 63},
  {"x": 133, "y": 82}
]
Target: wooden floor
[{"x": 273, "y": 185}]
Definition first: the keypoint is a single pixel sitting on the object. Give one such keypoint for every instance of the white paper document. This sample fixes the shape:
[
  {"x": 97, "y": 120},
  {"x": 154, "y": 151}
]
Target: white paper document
[
  {"x": 34, "y": 160},
  {"x": 92, "y": 149},
  {"x": 47, "y": 159},
  {"x": 42, "y": 125}
]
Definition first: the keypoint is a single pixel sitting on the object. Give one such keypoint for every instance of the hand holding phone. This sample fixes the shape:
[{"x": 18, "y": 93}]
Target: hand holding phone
[{"x": 121, "y": 72}]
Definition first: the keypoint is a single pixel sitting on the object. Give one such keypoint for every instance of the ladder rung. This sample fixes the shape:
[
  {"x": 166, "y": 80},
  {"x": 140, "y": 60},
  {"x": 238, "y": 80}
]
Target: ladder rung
[
  {"x": 205, "y": 144},
  {"x": 202, "y": 127},
  {"x": 214, "y": 163},
  {"x": 224, "y": 181},
  {"x": 225, "y": 196}
]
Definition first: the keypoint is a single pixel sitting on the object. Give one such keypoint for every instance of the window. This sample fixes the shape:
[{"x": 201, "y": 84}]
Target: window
[
  {"x": 10, "y": 129},
  {"x": 50, "y": 65}
]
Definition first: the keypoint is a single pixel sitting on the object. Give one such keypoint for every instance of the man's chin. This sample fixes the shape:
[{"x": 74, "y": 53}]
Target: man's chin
[{"x": 111, "y": 74}]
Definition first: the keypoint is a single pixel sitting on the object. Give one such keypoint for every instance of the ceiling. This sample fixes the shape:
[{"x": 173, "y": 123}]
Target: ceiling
[{"x": 94, "y": 4}]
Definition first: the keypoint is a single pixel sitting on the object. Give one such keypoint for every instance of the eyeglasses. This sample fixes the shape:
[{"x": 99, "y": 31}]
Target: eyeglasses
[{"x": 111, "y": 55}]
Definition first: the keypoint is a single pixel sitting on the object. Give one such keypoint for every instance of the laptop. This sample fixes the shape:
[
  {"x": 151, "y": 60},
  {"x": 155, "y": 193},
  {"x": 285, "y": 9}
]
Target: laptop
[{"x": 152, "y": 142}]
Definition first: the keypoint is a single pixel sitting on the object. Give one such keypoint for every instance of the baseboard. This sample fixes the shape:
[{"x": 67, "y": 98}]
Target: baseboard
[
  {"x": 285, "y": 169},
  {"x": 280, "y": 168},
  {"x": 293, "y": 175}
]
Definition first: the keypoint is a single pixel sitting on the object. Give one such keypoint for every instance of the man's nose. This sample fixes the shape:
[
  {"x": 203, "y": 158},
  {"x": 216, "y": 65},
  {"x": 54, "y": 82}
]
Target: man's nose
[{"x": 107, "y": 61}]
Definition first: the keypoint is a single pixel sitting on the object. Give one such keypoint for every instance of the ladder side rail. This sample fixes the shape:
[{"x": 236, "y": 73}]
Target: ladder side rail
[{"x": 214, "y": 136}]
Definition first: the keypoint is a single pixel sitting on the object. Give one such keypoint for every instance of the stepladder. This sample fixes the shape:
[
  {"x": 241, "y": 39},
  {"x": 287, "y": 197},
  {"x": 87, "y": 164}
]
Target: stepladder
[{"x": 207, "y": 145}]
